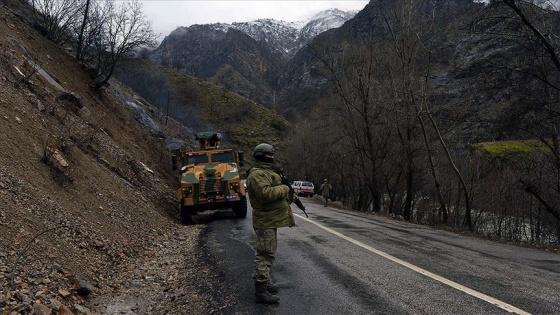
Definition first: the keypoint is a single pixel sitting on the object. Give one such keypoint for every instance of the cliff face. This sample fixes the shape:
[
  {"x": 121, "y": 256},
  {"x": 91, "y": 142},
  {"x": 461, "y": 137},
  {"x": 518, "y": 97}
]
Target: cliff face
[
  {"x": 230, "y": 59},
  {"x": 482, "y": 71}
]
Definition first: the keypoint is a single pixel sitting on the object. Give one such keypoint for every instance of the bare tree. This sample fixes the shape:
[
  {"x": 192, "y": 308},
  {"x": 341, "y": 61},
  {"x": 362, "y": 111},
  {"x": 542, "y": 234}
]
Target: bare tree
[
  {"x": 416, "y": 29},
  {"x": 356, "y": 75},
  {"x": 56, "y": 19},
  {"x": 93, "y": 36},
  {"x": 531, "y": 28},
  {"x": 82, "y": 30},
  {"x": 125, "y": 29}
]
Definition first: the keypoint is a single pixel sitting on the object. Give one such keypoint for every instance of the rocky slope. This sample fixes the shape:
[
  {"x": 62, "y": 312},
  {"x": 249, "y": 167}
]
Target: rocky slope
[{"x": 88, "y": 221}]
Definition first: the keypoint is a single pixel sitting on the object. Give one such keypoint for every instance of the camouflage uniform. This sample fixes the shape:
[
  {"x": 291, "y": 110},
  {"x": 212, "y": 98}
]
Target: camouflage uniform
[
  {"x": 325, "y": 191},
  {"x": 268, "y": 197}
]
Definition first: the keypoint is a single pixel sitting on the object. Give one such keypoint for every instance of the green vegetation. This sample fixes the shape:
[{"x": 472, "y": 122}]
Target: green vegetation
[
  {"x": 244, "y": 123},
  {"x": 508, "y": 149}
]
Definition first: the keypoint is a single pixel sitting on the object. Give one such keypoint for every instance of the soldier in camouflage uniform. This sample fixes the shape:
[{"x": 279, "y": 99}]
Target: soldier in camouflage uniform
[
  {"x": 325, "y": 191},
  {"x": 271, "y": 210}
]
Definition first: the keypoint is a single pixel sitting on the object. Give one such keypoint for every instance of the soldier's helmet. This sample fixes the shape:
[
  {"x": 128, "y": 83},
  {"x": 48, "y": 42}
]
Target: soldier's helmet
[
  {"x": 263, "y": 149},
  {"x": 325, "y": 180}
]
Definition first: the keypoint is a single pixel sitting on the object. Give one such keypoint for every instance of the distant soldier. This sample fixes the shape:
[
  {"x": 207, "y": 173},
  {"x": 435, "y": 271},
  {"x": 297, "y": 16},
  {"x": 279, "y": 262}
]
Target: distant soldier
[
  {"x": 271, "y": 210},
  {"x": 325, "y": 191}
]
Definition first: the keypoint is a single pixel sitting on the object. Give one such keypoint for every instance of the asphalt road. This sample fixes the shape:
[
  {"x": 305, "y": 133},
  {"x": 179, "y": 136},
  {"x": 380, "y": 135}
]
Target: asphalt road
[{"x": 337, "y": 262}]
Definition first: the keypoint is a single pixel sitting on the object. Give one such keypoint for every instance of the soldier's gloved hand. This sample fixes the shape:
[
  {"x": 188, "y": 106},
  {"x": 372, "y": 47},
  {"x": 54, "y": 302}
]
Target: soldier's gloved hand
[{"x": 291, "y": 196}]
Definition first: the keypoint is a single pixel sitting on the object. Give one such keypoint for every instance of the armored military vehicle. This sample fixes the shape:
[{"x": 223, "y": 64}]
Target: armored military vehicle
[{"x": 210, "y": 178}]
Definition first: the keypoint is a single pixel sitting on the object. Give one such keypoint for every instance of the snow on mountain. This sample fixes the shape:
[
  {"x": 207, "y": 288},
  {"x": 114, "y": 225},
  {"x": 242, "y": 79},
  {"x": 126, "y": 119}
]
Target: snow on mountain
[
  {"x": 288, "y": 37},
  {"x": 325, "y": 20}
]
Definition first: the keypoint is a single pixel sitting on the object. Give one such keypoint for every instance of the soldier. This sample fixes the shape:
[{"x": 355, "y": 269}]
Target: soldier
[
  {"x": 325, "y": 191},
  {"x": 271, "y": 210}
]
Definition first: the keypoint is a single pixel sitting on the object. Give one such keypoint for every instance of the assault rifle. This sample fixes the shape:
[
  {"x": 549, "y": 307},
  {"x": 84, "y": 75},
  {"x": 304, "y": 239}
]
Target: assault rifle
[{"x": 292, "y": 197}]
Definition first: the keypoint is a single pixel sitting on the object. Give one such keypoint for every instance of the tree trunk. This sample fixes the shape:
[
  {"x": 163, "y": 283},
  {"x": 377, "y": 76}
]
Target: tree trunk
[
  {"x": 407, "y": 214},
  {"x": 531, "y": 190},
  {"x": 442, "y": 212},
  {"x": 468, "y": 220},
  {"x": 81, "y": 35}
]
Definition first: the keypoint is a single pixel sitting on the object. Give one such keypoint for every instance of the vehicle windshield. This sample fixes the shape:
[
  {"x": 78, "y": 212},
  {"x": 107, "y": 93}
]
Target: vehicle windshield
[
  {"x": 196, "y": 159},
  {"x": 307, "y": 184},
  {"x": 223, "y": 157}
]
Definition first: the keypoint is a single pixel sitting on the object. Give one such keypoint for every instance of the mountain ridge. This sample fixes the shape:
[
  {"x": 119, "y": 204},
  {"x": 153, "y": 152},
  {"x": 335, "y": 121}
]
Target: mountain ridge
[
  {"x": 284, "y": 37},
  {"x": 246, "y": 57}
]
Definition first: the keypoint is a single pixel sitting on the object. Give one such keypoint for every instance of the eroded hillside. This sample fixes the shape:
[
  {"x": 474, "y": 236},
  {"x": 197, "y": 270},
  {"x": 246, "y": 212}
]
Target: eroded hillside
[{"x": 88, "y": 217}]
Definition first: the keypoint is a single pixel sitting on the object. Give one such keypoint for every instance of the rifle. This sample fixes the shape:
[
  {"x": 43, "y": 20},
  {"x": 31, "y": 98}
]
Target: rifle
[{"x": 292, "y": 197}]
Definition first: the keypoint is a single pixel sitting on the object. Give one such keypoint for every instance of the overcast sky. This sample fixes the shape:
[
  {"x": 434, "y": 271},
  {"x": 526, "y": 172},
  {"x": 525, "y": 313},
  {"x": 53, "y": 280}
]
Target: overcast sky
[{"x": 168, "y": 15}]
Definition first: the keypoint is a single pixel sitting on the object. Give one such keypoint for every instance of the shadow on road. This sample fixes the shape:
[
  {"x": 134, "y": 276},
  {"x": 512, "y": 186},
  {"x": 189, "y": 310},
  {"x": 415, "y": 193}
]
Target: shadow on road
[{"x": 214, "y": 215}]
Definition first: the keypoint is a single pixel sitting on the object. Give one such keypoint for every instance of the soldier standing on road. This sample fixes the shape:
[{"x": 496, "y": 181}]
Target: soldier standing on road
[
  {"x": 271, "y": 210},
  {"x": 325, "y": 191}
]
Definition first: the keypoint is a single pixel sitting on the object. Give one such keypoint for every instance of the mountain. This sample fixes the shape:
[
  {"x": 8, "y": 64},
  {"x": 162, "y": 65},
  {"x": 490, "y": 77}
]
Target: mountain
[
  {"x": 287, "y": 38},
  {"x": 247, "y": 57},
  {"x": 278, "y": 64},
  {"x": 460, "y": 61},
  {"x": 324, "y": 21},
  {"x": 231, "y": 59}
]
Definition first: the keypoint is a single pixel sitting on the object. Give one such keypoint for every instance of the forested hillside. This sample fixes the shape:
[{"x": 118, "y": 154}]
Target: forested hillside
[
  {"x": 444, "y": 112},
  {"x": 202, "y": 105}
]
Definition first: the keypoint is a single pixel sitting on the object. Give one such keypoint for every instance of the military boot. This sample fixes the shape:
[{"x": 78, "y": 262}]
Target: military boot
[
  {"x": 263, "y": 296},
  {"x": 271, "y": 287}
]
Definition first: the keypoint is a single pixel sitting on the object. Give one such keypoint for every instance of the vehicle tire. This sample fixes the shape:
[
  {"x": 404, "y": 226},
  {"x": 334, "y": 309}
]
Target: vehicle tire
[
  {"x": 186, "y": 215},
  {"x": 240, "y": 208},
  {"x": 310, "y": 195}
]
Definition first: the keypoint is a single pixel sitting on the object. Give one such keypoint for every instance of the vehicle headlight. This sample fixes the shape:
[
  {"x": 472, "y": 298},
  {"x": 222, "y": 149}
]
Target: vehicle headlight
[
  {"x": 234, "y": 186},
  {"x": 186, "y": 191}
]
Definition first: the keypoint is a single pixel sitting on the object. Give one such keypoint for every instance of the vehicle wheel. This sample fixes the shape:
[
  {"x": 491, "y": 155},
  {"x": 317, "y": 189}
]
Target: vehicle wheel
[
  {"x": 186, "y": 215},
  {"x": 310, "y": 195},
  {"x": 240, "y": 208}
]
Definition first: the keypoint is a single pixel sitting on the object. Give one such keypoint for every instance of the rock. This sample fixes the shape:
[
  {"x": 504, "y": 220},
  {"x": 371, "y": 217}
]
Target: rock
[
  {"x": 40, "y": 309},
  {"x": 63, "y": 310},
  {"x": 147, "y": 169},
  {"x": 22, "y": 297},
  {"x": 40, "y": 105},
  {"x": 71, "y": 98},
  {"x": 64, "y": 293},
  {"x": 84, "y": 112},
  {"x": 82, "y": 287},
  {"x": 55, "y": 157},
  {"x": 56, "y": 304},
  {"x": 83, "y": 310}
]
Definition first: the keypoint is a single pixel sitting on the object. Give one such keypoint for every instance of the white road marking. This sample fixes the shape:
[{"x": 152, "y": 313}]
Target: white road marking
[{"x": 482, "y": 296}]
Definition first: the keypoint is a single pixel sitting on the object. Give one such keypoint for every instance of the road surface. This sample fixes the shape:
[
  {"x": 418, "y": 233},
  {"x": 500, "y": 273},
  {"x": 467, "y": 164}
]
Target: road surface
[{"x": 337, "y": 262}]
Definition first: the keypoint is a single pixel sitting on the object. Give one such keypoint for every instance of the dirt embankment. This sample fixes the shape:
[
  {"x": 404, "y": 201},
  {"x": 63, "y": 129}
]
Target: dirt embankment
[{"x": 88, "y": 220}]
